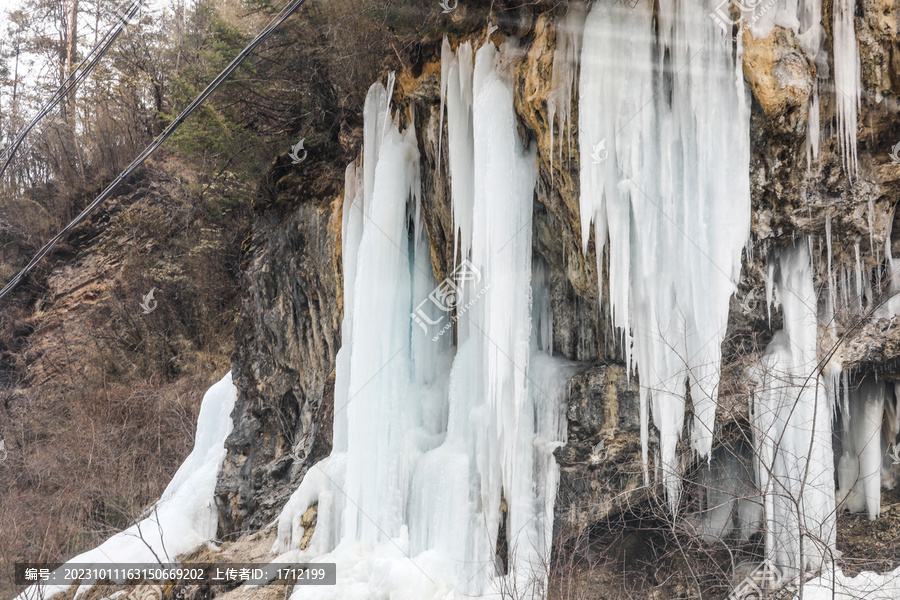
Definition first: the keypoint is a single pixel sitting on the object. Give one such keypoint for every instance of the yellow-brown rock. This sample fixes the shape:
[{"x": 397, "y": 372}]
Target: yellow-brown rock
[{"x": 781, "y": 76}]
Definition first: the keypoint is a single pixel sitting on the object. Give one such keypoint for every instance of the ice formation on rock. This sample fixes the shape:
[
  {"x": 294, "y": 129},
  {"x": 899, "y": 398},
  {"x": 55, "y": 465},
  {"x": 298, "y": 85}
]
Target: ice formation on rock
[
  {"x": 847, "y": 84},
  {"x": 805, "y": 18},
  {"x": 859, "y": 468},
  {"x": 673, "y": 196},
  {"x": 729, "y": 505},
  {"x": 437, "y": 447},
  {"x": 564, "y": 76},
  {"x": 791, "y": 422},
  {"x": 456, "y": 81},
  {"x": 185, "y": 515}
]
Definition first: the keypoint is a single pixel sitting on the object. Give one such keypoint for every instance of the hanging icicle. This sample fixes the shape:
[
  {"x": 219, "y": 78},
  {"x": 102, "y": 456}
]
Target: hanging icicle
[{"x": 664, "y": 134}]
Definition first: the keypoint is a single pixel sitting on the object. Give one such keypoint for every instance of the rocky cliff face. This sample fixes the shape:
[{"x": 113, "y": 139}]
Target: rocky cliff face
[{"x": 289, "y": 328}]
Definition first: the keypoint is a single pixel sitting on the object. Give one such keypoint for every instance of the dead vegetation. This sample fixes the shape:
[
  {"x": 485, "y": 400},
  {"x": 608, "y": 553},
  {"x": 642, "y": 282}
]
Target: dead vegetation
[{"x": 102, "y": 383}]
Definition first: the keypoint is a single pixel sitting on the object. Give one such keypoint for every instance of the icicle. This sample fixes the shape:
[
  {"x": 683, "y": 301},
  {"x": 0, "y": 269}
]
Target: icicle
[
  {"x": 873, "y": 249},
  {"x": 832, "y": 285},
  {"x": 845, "y": 288},
  {"x": 653, "y": 177},
  {"x": 859, "y": 283},
  {"x": 446, "y": 58},
  {"x": 846, "y": 82},
  {"x": 458, "y": 88},
  {"x": 859, "y": 469},
  {"x": 566, "y": 57},
  {"x": 846, "y": 396},
  {"x": 791, "y": 419},
  {"x": 812, "y": 128},
  {"x": 832, "y": 374},
  {"x": 809, "y": 18}
]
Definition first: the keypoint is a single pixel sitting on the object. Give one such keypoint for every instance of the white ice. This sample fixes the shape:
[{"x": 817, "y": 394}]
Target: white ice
[
  {"x": 847, "y": 83},
  {"x": 834, "y": 585},
  {"x": 564, "y": 75},
  {"x": 791, "y": 415},
  {"x": 185, "y": 516},
  {"x": 433, "y": 439},
  {"x": 859, "y": 468},
  {"x": 664, "y": 139}
]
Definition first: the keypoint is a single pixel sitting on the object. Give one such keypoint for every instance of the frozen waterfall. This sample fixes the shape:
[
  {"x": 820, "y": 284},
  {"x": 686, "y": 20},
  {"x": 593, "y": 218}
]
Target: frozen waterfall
[
  {"x": 664, "y": 135},
  {"x": 439, "y": 446},
  {"x": 448, "y": 404}
]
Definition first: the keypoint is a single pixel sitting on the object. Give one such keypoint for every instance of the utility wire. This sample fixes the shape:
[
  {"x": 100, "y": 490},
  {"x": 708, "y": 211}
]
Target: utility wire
[
  {"x": 280, "y": 18},
  {"x": 74, "y": 79}
]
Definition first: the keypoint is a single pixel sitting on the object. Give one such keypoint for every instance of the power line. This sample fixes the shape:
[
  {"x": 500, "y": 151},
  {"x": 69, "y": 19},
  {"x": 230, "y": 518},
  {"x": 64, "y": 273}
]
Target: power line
[
  {"x": 282, "y": 16},
  {"x": 74, "y": 79}
]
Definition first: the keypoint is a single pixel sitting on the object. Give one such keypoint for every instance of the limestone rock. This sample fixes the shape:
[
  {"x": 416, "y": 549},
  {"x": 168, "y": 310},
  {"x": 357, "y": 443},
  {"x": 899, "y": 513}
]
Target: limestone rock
[{"x": 782, "y": 78}]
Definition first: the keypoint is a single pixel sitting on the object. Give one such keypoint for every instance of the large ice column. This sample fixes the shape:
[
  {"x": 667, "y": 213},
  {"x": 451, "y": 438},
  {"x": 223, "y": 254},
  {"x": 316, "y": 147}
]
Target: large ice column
[
  {"x": 435, "y": 449},
  {"x": 501, "y": 324},
  {"x": 859, "y": 468},
  {"x": 456, "y": 82},
  {"x": 504, "y": 417},
  {"x": 847, "y": 83},
  {"x": 791, "y": 419},
  {"x": 384, "y": 427},
  {"x": 664, "y": 137}
]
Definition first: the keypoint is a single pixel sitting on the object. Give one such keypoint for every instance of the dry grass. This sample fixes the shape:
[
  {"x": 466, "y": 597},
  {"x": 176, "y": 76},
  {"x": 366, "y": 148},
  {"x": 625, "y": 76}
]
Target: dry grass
[{"x": 98, "y": 401}]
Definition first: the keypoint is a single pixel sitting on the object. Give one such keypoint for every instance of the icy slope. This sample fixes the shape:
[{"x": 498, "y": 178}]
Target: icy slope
[{"x": 185, "y": 515}]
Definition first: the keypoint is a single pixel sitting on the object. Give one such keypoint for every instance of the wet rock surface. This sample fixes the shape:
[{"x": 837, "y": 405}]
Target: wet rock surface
[{"x": 289, "y": 335}]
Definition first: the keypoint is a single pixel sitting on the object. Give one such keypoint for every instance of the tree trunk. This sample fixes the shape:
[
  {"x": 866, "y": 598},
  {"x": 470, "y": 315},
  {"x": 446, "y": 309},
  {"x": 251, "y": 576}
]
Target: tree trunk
[{"x": 71, "y": 60}]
